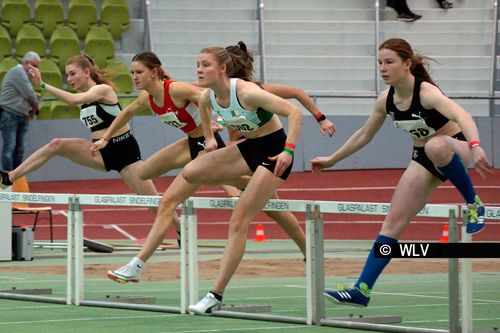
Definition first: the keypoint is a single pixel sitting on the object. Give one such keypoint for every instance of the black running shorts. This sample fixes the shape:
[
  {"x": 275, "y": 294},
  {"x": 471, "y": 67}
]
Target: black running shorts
[
  {"x": 256, "y": 151},
  {"x": 421, "y": 158},
  {"x": 121, "y": 151},
  {"x": 198, "y": 144}
]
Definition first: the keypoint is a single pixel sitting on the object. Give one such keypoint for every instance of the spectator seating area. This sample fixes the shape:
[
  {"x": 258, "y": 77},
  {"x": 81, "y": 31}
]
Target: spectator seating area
[{"x": 58, "y": 30}]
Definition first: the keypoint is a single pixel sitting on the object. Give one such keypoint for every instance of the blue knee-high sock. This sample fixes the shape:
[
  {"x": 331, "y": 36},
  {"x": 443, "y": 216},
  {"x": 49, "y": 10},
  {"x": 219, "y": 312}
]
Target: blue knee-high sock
[
  {"x": 374, "y": 266},
  {"x": 457, "y": 173}
]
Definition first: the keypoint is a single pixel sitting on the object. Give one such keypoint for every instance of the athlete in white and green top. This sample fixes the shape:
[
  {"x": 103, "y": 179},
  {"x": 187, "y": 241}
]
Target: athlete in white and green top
[
  {"x": 236, "y": 116},
  {"x": 265, "y": 156}
]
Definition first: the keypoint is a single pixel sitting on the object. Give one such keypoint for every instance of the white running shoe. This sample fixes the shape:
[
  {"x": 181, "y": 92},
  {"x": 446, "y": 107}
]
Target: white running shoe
[
  {"x": 125, "y": 274},
  {"x": 206, "y": 306}
]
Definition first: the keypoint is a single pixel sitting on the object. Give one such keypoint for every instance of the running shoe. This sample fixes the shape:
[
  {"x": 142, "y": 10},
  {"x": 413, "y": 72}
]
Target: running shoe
[
  {"x": 474, "y": 217},
  {"x": 349, "y": 296},
  {"x": 4, "y": 179},
  {"x": 125, "y": 274},
  {"x": 409, "y": 17},
  {"x": 206, "y": 306}
]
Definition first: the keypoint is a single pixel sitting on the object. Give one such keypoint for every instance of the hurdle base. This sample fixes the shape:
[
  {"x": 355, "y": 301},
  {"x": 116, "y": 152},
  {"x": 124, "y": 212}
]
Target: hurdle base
[
  {"x": 371, "y": 319},
  {"x": 34, "y": 291},
  {"x": 126, "y": 299},
  {"x": 249, "y": 308}
]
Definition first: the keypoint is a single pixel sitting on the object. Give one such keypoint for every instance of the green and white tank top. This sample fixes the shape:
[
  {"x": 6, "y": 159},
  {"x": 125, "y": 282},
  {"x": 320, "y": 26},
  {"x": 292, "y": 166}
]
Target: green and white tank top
[{"x": 235, "y": 116}]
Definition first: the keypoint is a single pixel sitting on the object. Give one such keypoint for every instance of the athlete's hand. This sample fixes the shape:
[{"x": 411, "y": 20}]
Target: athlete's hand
[
  {"x": 481, "y": 162},
  {"x": 98, "y": 145},
  {"x": 34, "y": 75},
  {"x": 320, "y": 163},
  {"x": 283, "y": 161},
  {"x": 326, "y": 126},
  {"x": 210, "y": 144}
]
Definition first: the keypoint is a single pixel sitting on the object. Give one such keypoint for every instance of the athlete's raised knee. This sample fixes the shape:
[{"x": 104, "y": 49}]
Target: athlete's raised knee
[{"x": 436, "y": 147}]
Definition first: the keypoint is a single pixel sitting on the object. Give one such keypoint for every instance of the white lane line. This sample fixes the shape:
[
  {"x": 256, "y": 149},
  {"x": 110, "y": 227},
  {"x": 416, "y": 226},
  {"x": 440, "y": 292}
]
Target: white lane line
[
  {"x": 247, "y": 329},
  {"x": 62, "y": 212},
  {"x": 120, "y": 230},
  {"x": 445, "y": 320},
  {"x": 85, "y": 319},
  {"x": 33, "y": 307}
]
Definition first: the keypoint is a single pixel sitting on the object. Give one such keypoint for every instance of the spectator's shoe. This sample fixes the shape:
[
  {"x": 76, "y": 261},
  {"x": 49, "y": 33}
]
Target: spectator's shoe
[
  {"x": 474, "y": 217},
  {"x": 446, "y": 4},
  {"x": 179, "y": 238},
  {"x": 206, "y": 306},
  {"x": 349, "y": 296},
  {"x": 409, "y": 17},
  {"x": 4, "y": 179},
  {"x": 125, "y": 274},
  {"x": 389, "y": 4}
]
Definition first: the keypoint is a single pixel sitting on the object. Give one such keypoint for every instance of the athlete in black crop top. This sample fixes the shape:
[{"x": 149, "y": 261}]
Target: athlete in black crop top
[
  {"x": 99, "y": 107},
  {"x": 422, "y": 122},
  {"x": 444, "y": 137}
]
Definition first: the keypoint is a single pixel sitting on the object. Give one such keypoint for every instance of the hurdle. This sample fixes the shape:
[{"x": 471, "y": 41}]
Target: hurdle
[
  {"x": 189, "y": 277},
  {"x": 6, "y": 199}
]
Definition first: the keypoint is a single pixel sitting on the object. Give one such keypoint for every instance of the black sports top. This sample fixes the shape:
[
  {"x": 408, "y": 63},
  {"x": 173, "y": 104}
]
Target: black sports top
[
  {"x": 98, "y": 116},
  {"x": 416, "y": 121}
]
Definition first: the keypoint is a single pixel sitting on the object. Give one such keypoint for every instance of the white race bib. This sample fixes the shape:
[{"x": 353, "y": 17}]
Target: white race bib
[
  {"x": 417, "y": 128},
  {"x": 241, "y": 124},
  {"x": 170, "y": 118},
  {"x": 89, "y": 116}
]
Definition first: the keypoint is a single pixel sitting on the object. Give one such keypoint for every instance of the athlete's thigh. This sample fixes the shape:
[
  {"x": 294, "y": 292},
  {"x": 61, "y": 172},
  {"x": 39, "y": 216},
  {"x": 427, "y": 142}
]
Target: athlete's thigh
[
  {"x": 412, "y": 192},
  {"x": 78, "y": 151},
  {"x": 131, "y": 178},
  {"x": 261, "y": 187},
  {"x": 174, "y": 156},
  {"x": 216, "y": 166}
]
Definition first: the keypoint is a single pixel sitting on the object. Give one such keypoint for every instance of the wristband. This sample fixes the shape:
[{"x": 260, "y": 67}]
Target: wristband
[
  {"x": 289, "y": 151},
  {"x": 42, "y": 85},
  {"x": 473, "y": 143},
  {"x": 220, "y": 121},
  {"x": 290, "y": 145},
  {"x": 320, "y": 116}
]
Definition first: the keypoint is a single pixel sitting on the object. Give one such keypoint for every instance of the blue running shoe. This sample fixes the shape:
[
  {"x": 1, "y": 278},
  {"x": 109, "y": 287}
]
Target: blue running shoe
[
  {"x": 474, "y": 217},
  {"x": 349, "y": 296}
]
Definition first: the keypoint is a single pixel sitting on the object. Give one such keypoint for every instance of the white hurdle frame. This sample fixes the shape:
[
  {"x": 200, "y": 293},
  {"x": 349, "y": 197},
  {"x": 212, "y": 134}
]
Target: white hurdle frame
[
  {"x": 374, "y": 208},
  {"x": 189, "y": 256},
  {"x": 39, "y": 198}
]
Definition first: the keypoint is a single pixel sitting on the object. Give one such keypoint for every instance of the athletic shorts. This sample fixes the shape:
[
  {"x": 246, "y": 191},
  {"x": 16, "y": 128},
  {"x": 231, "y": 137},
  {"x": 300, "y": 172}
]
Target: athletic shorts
[
  {"x": 198, "y": 144},
  {"x": 421, "y": 158},
  {"x": 121, "y": 151},
  {"x": 256, "y": 151}
]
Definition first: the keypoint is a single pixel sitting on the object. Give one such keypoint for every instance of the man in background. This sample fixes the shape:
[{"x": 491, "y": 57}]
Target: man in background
[{"x": 18, "y": 104}]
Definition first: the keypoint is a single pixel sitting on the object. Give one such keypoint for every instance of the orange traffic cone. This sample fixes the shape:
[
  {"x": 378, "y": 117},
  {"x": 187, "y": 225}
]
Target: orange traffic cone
[
  {"x": 259, "y": 235},
  {"x": 444, "y": 235}
]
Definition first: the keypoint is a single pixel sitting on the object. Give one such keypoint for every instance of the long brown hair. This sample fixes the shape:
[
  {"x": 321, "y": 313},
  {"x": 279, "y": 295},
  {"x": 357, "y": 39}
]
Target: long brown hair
[
  {"x": 151, "y": 61},
  {"x": 237, "y": 58},
  {"x": 98, "y": 75},
  {"x": 419, "y": 63}
]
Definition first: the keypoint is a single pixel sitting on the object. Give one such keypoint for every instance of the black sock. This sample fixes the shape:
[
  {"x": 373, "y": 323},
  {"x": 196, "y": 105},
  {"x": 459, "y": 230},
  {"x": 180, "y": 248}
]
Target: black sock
[
  {"x": 5, "y": 178},
  {"x": 217, "y": 296}
]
